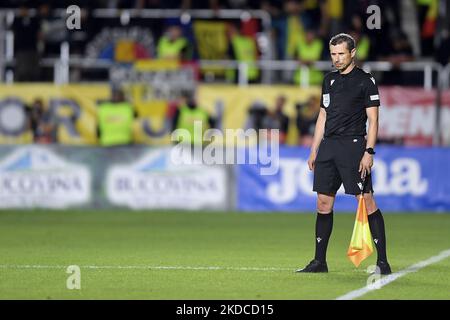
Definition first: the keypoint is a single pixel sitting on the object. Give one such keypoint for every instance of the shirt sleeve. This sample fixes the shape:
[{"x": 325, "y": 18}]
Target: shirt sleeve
[
  {"x": 372, "y": 97},
  {"x": 325, "y": 97}
]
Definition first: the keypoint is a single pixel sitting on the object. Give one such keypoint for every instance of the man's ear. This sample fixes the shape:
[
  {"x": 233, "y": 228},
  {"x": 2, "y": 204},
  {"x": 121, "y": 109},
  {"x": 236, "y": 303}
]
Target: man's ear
[{"x": 353, "y": 53}]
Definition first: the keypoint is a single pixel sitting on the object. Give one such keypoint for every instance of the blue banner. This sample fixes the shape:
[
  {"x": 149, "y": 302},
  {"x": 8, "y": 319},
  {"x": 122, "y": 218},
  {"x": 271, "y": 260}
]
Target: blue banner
[{"x": 405, "y": 179}]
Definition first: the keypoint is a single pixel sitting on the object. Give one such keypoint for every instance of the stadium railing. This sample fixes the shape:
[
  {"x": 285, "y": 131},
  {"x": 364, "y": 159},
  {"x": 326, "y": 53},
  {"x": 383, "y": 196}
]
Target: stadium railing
[{"x": 61, "y": 66}]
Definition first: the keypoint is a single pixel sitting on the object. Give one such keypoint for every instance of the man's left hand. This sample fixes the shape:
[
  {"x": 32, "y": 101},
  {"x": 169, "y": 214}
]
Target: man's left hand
[{"x": 365, "y": 165}]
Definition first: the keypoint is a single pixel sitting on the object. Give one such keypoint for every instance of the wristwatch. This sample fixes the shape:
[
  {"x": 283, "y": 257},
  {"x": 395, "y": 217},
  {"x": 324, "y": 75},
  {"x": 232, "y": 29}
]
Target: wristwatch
[{"x": 370, "y": 151}]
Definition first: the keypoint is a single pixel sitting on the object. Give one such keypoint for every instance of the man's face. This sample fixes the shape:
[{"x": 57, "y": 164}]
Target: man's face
[
  {"x": 280, "y": 102},
  {"x": 341, "y": 56},
  {"x": 174, "y": 33}
]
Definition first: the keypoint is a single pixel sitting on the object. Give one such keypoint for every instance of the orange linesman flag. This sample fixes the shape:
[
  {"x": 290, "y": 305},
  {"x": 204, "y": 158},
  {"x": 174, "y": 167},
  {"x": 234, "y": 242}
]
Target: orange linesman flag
[{"x": 361, "y": 243}]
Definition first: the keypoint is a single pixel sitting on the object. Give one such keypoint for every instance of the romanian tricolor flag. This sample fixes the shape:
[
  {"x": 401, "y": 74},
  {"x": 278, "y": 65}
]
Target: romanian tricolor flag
[{"x": 361, "y": 244}]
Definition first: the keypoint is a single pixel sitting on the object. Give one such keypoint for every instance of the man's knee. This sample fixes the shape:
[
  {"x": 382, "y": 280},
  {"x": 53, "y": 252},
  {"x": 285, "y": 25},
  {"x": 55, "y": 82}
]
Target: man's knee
[{"x": 325, "y": 203}]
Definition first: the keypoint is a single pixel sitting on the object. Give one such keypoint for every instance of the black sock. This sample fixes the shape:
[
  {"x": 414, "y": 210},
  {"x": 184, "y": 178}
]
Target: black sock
[
  {"x": 324, "y": 226},
  {"x": 376, "y": 223}
]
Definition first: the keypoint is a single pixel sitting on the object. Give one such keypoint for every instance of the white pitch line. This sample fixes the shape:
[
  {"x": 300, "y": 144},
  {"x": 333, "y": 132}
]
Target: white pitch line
[
  {"x": 147, "y": 267},
  {"x": 392, "y": 277}
]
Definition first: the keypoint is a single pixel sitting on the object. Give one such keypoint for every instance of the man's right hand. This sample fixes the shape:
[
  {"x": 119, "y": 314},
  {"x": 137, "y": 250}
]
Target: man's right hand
[{"x": 312, "y": 160}]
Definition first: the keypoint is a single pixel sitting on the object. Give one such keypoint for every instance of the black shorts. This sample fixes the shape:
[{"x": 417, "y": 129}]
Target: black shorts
[{"x": 337, "y": 162}]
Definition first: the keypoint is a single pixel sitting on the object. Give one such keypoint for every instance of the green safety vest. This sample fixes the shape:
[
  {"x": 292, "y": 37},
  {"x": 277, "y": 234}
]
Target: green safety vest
[
  {"x": 310, "y": 52},
  {"x": 245, "y": 51},
  {"x": 186, "y": 121},
  {"x": 115, "y": 122},
  {"x": 169, "y": 49},
  {"x": 424, "y": 2},
  {"x": 362, "y": 50}
]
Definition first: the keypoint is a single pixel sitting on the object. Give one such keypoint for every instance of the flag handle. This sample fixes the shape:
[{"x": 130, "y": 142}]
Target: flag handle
[{"x": 363, "y": 185}]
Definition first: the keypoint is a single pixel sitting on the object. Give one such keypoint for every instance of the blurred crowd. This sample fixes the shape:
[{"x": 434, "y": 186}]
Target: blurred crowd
[
  {"x": 262, "y": 116},
  {"x": 411, "y": 30},
  {"x": 300, "y": 30},
  {"x": 116, "y": 117}
]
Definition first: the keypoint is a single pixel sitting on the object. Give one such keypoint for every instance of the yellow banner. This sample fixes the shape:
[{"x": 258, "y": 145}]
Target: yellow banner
[
  {"x": 237, "y": 102},
  {"x": 75, "y": 102},
  {"x": 212, "y": 43},
  {"x": 156, "y": 64},
  {"x": 152, "y": 125}
]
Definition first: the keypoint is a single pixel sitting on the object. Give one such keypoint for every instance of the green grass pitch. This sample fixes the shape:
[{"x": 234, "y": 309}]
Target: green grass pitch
[{"x": 207, "y": 255}]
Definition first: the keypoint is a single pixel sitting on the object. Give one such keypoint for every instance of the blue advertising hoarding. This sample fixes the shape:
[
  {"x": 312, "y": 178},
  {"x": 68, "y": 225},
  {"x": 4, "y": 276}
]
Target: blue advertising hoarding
[{"x": 404, "y": 180}]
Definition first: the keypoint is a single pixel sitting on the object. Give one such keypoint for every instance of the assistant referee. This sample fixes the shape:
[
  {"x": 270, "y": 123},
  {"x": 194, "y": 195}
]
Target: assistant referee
[{"x": 340, "y": 152}]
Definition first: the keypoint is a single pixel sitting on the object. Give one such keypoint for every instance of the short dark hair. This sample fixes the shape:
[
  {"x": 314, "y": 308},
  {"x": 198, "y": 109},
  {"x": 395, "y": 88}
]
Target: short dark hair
[{"x": 344, "y": 37}]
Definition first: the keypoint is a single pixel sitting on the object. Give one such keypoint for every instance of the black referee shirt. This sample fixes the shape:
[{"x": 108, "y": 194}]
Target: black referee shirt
[{"x": 345, "y": 98}]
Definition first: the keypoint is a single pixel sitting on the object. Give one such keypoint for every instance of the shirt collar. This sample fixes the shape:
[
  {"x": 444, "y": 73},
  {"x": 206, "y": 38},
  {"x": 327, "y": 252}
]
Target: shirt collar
[{"x": 350, "y": 74}]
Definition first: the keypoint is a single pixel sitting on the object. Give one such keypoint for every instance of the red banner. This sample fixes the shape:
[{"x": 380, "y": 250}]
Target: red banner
[{"x": 408, "y": 115}]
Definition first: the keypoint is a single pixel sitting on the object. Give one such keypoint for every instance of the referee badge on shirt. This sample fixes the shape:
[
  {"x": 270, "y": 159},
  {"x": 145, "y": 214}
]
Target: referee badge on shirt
[{"x": 326, "y": 100}]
